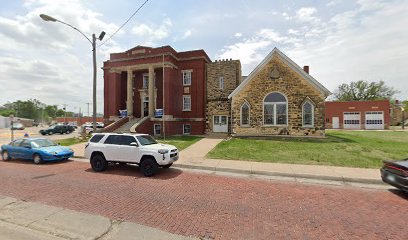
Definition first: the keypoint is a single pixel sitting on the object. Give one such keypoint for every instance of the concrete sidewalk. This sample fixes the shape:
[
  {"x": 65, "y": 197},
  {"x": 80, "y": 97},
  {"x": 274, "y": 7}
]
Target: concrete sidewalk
[
  {"x": 33, "y": 221},
  {"x": 194, "y": 157}
]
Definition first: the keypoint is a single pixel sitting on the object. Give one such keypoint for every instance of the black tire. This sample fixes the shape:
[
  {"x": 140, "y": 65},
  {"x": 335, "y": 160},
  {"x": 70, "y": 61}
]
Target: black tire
[
  {"x": 5, "y": 155},
  {"x": 37, "y": 159},
  {"x": 149, "y": 167},
  {"x": 167, "y": 166},
  {"x": 98, "y": 163}
]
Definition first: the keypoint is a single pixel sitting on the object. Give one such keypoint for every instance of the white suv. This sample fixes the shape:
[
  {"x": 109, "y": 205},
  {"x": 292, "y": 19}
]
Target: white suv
[{"x": 140, "y": 149}]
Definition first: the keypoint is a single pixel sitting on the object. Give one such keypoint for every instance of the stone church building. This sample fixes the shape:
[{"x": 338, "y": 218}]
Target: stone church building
[{"x": 198, "y": 96}]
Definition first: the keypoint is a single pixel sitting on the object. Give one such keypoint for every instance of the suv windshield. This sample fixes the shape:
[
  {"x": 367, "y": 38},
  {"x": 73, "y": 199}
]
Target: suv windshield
[
  {"x": 146, "y": 140},
  {"x": 38, "y": 143}
]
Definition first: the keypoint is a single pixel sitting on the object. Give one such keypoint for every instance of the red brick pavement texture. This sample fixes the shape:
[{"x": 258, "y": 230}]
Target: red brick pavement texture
[{"x": 210, "y": 206}]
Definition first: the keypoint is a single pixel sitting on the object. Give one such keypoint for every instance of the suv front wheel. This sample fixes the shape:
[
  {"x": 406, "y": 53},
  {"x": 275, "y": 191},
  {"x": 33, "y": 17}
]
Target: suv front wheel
[
  {"x": 98, "y": 163},
  {"x": 149, "y": 167}
]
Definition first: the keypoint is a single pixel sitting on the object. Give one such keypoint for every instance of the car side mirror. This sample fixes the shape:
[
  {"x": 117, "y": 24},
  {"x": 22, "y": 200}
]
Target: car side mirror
[
  {"x": 134, "y": 144},
  {"x": 28, "y": 147}
]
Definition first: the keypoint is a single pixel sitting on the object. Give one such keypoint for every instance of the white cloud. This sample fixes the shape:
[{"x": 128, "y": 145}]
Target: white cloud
[
  {"x": 47, "y": 60},
  {"x": 307, "y": 14},
  {"x": 356, "y": 45},
  {"x": 251, "y": 51},
  {"x": 238, "y": 35},
  {"x": 150, "y": 34}
]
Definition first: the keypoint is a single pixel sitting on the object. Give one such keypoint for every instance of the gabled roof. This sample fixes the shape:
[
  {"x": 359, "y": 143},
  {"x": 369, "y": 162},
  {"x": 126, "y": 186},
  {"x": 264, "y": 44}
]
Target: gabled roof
[{"x": 288, "y": 62}]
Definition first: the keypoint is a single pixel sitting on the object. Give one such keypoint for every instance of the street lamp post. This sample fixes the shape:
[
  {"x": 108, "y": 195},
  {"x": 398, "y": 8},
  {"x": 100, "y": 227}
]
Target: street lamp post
[{"x": 93, "y": 43}]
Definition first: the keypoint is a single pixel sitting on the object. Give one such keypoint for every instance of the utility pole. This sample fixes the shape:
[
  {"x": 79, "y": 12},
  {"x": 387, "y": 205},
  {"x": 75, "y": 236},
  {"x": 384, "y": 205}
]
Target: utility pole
[
  {"x": 88, "y": 110},
  {"x": 80, "y": 117},
  {"x": 93, "y": 43},
  {"x": 65, "y": 113}
]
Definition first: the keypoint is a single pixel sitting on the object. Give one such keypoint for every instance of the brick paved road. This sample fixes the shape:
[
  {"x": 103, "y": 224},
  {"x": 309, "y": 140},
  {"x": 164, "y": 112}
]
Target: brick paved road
[{"x": 209, "y": 206}]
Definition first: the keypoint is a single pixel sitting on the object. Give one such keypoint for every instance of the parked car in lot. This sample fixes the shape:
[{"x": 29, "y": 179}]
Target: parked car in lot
[
  {"x": 395, "y": 173},
  {"x": 140, "y": 149},
  {"x": 36, "y": 149},
  {"x": 61, "y": 129},
  {"x": 17, "y": 126}
]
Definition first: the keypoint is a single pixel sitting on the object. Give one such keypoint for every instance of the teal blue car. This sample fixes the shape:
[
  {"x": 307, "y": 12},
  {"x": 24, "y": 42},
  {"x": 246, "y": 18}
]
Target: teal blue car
[{"x": 36, "y": 149}]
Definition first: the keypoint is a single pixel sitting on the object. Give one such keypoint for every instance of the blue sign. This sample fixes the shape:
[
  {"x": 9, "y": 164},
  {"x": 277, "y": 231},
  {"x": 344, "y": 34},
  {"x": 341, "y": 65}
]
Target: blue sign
[{"x": 158, "y": 113}]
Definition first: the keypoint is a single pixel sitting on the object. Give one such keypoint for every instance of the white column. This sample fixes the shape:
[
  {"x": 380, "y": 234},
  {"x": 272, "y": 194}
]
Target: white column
[
  {"x": 129, "y": 102},
  {"x": 151, "y": 91}
]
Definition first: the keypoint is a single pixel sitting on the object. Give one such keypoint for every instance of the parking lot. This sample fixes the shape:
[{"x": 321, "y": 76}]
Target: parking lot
[{"x": 5, "y": 134}]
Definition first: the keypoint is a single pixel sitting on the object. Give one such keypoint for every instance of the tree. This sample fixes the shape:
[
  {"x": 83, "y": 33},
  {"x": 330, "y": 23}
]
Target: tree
[
  {"x": 364, "y": 91},
  {"x": 32, "y": 109}
]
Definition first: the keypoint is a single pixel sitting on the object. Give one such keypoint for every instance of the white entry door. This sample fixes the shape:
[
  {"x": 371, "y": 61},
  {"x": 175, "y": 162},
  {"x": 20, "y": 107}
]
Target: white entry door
[
  {"x": 351, "y": 120},
  {"x": 374, "y": 120},
  {"x": 220, "y": 124},
  {"x": 336, "y": 122}
]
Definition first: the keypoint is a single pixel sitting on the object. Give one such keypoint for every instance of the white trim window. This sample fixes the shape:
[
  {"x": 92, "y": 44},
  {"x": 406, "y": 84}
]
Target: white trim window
[
  {"x": 157, "y": 129},
  {"x": 245, "y": 114},
  {"x": 186, "y": 77},
  {"x": 186, "y": 129},
  {"x": 145, "y": 80},
  {"x": 307, "y": 114},
  {"x": 221, "y": 82},
  {"x": 275, "y": 108},
  {"x": 186, "y": 103}
]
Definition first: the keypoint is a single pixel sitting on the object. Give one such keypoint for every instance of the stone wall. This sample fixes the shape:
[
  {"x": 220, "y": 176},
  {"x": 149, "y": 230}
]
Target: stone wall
[
  {"x": 217, "y": 98},
  {"x": 287, "y": 82}
]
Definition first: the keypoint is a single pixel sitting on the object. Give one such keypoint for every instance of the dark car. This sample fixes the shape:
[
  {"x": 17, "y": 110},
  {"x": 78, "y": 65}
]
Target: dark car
[
  {"x": 395, "y": 173},
  {"x": 17, "y": 126},
  {"x": 61, "y": 129}
]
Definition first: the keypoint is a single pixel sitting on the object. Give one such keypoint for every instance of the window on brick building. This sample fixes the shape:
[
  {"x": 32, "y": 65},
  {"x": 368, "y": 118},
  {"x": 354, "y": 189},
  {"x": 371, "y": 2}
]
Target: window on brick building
[
  {"x": 186, "y": 103},
  {"x": 145, "y": 81},
  {"x": 186, "y": 129},
  {"x": 186, "y": 77},
  {"x": 245, "y": 114},
  {"x": 157, "y": 129}
]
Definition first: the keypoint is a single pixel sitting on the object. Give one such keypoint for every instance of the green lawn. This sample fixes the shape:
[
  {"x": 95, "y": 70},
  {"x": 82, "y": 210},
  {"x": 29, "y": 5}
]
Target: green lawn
[
  {"x": 181, "y": 142},
  {"x": 69, "y": 141},
  {"x": 365, "y": 149}
]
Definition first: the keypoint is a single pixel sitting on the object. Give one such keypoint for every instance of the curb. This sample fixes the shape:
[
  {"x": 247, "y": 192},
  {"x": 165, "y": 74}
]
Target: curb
[{"x": 280, "y": 174}]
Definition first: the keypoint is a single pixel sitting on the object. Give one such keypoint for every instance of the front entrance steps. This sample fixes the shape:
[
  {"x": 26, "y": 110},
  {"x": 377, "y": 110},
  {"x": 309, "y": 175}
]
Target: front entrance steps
[{"x": 125, "y": 128}]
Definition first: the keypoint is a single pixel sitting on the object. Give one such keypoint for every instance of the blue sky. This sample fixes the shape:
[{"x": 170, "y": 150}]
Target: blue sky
[{"x": 341, "y": 41}]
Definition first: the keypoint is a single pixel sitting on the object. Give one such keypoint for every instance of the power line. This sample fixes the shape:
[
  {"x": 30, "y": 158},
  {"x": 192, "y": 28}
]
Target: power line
[{"x": 124, "y": 23}]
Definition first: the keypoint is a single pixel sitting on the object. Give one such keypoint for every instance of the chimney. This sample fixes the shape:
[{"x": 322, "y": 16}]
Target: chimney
[{"x": 306, "y": 69}]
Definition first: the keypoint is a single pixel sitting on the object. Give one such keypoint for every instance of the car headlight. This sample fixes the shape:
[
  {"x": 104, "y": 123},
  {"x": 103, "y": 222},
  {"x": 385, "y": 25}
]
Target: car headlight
[
  {"x": 163, "y": 151},
  {"x": 53, "y": 153}
]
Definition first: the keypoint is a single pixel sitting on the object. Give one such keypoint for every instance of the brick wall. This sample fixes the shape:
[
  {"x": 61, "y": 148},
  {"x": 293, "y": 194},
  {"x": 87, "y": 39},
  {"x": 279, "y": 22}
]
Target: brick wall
[
  {"x": 336, "y": 109},
  {"x": 171, "y": 127}
]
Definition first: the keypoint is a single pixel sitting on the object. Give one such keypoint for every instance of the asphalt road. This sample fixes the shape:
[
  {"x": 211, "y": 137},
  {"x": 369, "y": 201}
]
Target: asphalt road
[
  {"x": 211, "y": 206},
  {"x": 5, "y": 134}
]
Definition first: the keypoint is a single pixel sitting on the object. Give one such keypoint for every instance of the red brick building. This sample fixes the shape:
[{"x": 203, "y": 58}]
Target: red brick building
[
  {"x": 143, "y": 80},
  {"x": 358, "y": 115}
]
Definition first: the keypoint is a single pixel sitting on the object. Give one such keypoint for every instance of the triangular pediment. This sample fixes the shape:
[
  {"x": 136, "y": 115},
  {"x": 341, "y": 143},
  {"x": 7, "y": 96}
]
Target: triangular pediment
[{"x": 274, "y": 74}]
